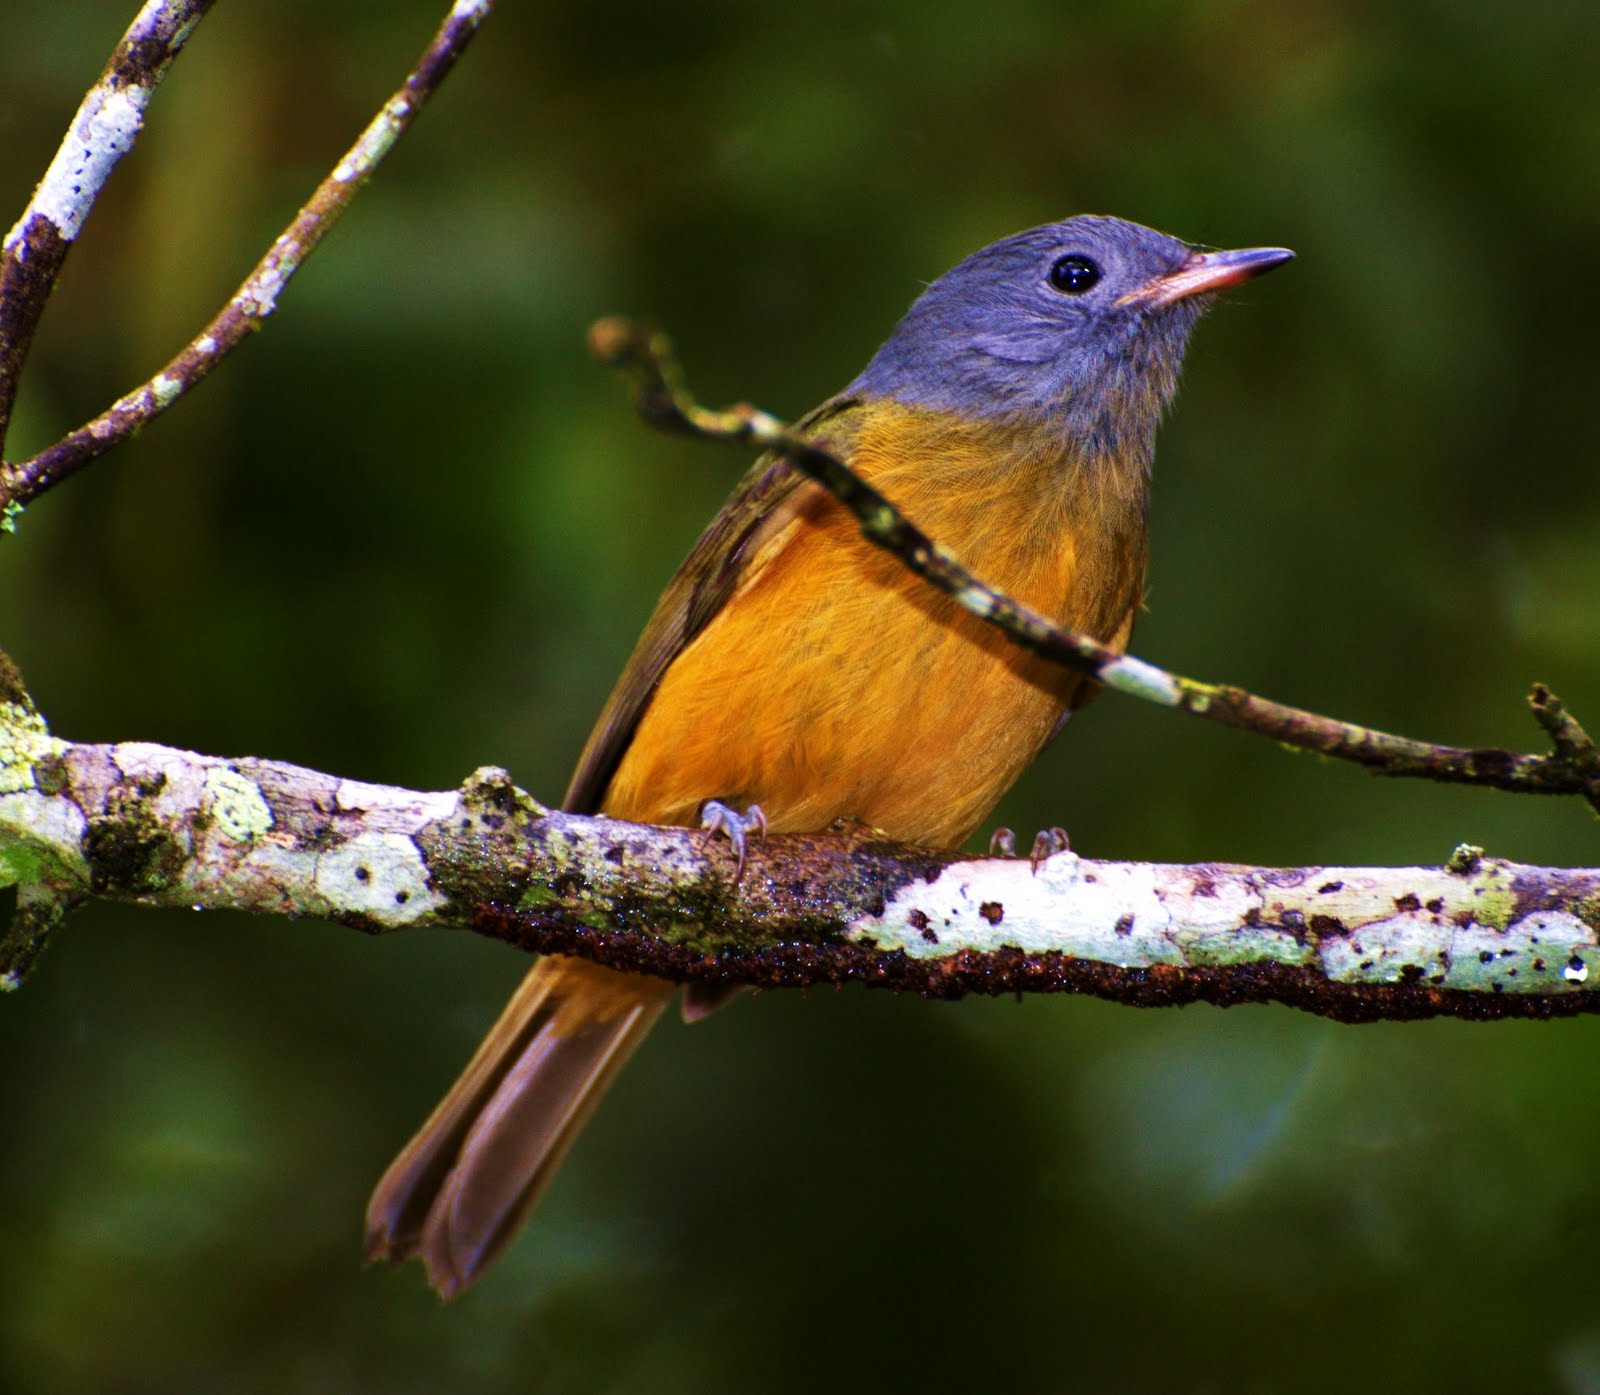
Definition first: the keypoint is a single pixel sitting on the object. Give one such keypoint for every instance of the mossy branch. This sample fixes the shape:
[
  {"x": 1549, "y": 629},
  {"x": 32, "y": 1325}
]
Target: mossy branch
[
  {"x": 148, "y": 824},
  {"x": 161, "y": 827}
]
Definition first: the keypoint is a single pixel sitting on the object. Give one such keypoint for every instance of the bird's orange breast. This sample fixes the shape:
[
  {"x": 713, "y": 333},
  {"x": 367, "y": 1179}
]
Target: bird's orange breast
[{"x": 834, "y": 683}]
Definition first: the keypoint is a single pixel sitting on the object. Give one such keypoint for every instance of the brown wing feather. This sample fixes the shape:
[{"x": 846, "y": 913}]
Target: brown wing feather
[{"x": 764, "y": 500}]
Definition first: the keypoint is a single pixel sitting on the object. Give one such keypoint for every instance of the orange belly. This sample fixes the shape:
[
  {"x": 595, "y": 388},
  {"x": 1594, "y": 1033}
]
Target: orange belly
[{"x": 836, "y": 684}]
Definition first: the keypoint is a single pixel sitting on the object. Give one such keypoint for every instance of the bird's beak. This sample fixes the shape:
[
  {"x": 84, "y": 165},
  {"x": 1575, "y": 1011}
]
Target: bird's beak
[{"x": 1205, "y": 272}]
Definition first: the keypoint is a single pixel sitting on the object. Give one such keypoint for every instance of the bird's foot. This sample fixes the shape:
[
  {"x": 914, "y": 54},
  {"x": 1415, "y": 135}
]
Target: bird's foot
[
  {"x": 717, "y": 817},
  {"x": 1047, "y": 843}
]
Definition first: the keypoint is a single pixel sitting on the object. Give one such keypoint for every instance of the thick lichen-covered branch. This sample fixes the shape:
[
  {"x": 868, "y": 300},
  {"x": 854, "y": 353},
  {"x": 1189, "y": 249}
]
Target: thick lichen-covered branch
[
  {"x": 257, "y": 297},
  {"x": 156, "y": 826},
  {"x": 663, "y": 399}
]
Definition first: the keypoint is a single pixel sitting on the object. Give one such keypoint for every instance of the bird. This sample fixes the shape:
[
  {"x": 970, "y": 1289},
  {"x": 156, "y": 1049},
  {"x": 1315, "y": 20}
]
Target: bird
[{"x": 793, "y": 674}]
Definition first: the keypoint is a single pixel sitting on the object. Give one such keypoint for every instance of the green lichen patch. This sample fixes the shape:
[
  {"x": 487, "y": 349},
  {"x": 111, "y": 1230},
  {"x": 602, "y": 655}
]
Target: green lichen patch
[
  {"x": 536, "y": 896},
  {"x": 39, "y": 841},
  {"x": 24, "y": 738},
  {"x": 1492, "y": 897},
  {"x": 473, "y": 853},
  {"x": 491, "y": 797},
  {"x": 21, "y": 864},
  {"x": 240, "y": 811}
]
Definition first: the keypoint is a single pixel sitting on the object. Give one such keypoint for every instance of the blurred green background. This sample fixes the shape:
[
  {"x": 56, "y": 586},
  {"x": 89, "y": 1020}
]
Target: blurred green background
[{"x": 411, "y": 529}]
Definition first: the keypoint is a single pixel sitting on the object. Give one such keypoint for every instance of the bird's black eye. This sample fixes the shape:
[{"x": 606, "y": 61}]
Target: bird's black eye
[{"x": 1074, "y": 275}]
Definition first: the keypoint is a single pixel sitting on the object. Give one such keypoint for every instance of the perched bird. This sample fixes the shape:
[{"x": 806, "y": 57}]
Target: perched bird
[{"x": 795, "y": 671}]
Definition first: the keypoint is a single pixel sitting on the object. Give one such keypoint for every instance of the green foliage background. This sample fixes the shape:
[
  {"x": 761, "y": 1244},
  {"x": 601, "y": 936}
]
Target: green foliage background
[{"x": 411, "y": 529}]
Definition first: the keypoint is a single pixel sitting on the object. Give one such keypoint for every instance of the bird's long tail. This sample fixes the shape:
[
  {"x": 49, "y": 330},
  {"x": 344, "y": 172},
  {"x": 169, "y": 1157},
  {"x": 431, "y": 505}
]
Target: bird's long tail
[{"x": 462, "y": 1186}]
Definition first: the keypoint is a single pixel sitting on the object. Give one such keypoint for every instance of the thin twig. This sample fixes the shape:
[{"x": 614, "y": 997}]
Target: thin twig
[
  {"x": 103, "y": 131},
  {"x": 663, "y": 399},
  {"x": 1571, "y": 741},
  {"x": 257, "y": 298}
]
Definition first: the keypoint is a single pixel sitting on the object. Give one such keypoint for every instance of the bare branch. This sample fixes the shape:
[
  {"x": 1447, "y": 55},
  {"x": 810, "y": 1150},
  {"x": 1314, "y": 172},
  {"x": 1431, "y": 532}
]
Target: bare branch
[
  {"x": 258, "y": 296},
  {"x": 103, "y": 131},
  {"x": 1573, "y": 745},
  {"x": 663, "y": 399},
  {"x": 161, "y": 827}
]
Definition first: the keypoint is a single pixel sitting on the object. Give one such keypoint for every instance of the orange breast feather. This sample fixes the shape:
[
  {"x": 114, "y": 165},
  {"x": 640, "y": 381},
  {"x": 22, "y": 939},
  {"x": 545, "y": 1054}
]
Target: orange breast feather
[{"x": 834, "y": 683}]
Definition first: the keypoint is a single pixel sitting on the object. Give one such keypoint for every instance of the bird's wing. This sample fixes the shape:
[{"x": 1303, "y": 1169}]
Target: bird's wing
[{"x": 768, "y": 497}]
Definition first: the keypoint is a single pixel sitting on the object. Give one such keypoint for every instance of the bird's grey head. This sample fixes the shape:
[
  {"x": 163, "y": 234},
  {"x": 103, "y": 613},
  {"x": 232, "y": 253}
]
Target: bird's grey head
[{"x": 1077, "y": 327}]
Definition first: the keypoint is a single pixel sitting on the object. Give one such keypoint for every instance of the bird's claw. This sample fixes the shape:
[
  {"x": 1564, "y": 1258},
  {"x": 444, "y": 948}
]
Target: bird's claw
[
  {"x": 1047, "y": 843},
  {"x": 717, "y": 817}
]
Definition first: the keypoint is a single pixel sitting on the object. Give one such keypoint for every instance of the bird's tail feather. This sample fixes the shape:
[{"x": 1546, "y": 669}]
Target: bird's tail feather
[{"x": 461, "y": 1187}]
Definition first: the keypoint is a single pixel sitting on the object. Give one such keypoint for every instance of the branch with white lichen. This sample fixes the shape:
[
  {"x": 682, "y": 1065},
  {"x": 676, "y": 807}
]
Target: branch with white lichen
[
  {"x": 96, "y": 144},
  {"x": 155, "y": 826},
  {"x": 104, "y": 129},
  {"x": 147, "y": 824}
]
